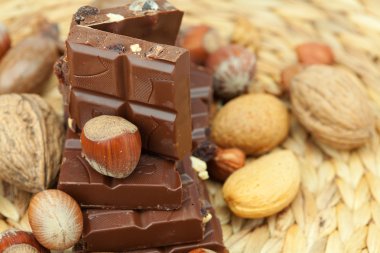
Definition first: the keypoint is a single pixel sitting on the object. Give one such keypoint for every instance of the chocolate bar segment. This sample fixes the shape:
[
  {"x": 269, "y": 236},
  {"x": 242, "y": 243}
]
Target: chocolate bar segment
[
  {"x": 126, "y": 229},
  {"x": 212, "y": 238},
  {"x": 155, "y": 21},
  {"x": 201, "y": 99},
  {"x": 144, "y": 82},
  {"x": 155, "y": 183}
]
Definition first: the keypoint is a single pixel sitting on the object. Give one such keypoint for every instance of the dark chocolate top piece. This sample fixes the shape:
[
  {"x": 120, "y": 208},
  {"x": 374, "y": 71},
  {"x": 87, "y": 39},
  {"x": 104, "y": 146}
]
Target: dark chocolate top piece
[
  {"x": 144, "y": 82},
  {"x": 155, "y": 183},
  {"x": 152, "y": 20}
]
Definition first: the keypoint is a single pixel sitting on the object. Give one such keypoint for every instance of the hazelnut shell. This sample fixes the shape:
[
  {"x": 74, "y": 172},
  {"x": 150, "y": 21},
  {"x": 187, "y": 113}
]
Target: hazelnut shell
[
  {"x": 56, "y": 219},
  {"x": 111, "y": 145},
  {"x": 13, "y": 240}
]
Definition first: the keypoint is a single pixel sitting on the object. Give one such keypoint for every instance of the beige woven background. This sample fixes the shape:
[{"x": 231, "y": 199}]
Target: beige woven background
[{"x": 338, "y": 206}]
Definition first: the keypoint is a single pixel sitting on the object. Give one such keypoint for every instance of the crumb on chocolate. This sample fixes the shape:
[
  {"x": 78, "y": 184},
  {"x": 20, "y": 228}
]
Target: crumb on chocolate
[
  {"x": 205, "y": 151},
  {"x": 155, "y": 51},
  {"x": 120, "y": 48},
  {"x": 144, "y": 5},
  {"x": 85, "y": 11}
]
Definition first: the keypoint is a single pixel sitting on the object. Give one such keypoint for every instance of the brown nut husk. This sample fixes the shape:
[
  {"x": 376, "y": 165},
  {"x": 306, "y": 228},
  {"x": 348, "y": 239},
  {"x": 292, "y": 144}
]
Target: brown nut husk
[
  {"x": 254, "y": 123},
  {"x": 330, "y": 103},
  {"x": 31, "y": 136},
  {"x": 263, "y": 187},
  {"x": 28, "y": 65}
]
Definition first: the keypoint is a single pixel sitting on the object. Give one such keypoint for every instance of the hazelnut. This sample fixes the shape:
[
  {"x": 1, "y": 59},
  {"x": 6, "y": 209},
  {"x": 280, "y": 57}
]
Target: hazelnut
[
  {"x": 17, "y": 241},
  {"x": 200, "y": 40},
  {"x": 5, "y": 40},
  {"x": 56, "y": 219},
  {"x": 225, "y": 162},
  {"x": 234, "y": 68},
  {"x": 315, "y": 53},
  {"x": 111, "y": 145},
  {"x": 287, "y": 75}
]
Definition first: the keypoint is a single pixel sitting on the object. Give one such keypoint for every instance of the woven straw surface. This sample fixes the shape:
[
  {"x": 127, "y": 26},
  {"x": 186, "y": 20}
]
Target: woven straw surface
[{"x": 338, "y": 206}]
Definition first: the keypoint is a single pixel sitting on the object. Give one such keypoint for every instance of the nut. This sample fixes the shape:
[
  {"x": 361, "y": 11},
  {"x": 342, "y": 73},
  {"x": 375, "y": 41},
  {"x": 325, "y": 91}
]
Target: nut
[
  {"x": 225, "y": 162},
  {"x": 200, "y": 167},
  {"x": 56, "y": 219},
  {"x": 200, "y": 40},
  {"x": 27, "y": 66},
  {"x": 254, "y": 123},
  {"x": 5, "y": 40},
  {"x": 263, "y": 187},
  {"x": 234, "y": 68},
  {"x": 31, "y": 134},
  {"x": 315, "y": 53},
  {"x": 205, "y": 151},
  {"x": 111, "y": 145},
  {"x": 287, "y": 75},
  {"x": 20, "y": 241},
  {"x": 330, "y": 103}
]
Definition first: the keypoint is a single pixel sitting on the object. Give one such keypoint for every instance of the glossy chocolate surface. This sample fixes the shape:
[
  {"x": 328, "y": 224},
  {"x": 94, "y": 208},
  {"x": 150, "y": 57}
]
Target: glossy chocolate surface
[
  {"x": 126, "y": 229},
  {"x": 155, "y": 183},
  {"x": 144, "y": 82},
  {"x": 201, "y": 99},
  {"x": 212, "y": 238},
  {"x": 155, "y": 21}
]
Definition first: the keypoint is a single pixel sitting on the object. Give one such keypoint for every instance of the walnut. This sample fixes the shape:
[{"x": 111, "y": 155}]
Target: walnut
[
  {"x": 331, "y": 104},
  {"x": 31, "y": 138}
]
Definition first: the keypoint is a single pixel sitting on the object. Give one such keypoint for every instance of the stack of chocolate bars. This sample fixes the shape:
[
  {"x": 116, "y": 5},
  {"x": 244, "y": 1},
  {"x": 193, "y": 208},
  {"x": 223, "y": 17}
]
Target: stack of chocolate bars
[{"x": 122, "y": 61}]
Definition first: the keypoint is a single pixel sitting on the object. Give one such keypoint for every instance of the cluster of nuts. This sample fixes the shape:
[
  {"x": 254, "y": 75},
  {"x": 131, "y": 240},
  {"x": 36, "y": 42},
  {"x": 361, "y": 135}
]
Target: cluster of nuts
[{"x": 234, "y": 66}]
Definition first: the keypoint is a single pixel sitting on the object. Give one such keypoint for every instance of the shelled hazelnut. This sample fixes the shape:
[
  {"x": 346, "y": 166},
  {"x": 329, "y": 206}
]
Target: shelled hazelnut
[
  {"x": 111, "y": 145},
  {"x": 225, "y": 162},
  {"x": 315, "y": 53}
]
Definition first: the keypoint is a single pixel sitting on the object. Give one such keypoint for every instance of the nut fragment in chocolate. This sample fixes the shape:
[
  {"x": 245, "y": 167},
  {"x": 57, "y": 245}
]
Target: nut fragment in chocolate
[
  {"x": 144, "y": 5},
  {"x": 120, "y": 48},
  {"x": 205, "y": 151},
  {"x": 85, "y": 11}
]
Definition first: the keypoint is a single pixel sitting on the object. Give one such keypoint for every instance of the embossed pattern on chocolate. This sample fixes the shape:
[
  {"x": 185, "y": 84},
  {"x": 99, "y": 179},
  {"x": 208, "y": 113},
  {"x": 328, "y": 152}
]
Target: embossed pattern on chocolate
[
  {"x": 147, "y": 88},
  {"x": 155, "y": 184}
]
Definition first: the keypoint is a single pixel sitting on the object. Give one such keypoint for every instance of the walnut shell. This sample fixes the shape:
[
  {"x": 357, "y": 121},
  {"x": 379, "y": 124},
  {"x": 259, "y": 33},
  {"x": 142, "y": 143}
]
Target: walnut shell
[
  {"x": 330, "y": 103},
  {"x": 31, "y": 136}
]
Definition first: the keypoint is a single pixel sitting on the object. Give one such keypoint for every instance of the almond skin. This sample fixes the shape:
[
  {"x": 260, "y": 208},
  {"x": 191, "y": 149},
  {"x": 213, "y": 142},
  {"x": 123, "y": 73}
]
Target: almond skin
[
  {"x": 315, "y": 53},
  {"x": 56, "y": 219},
  {"x": 27, "y": 66},
  {"x": 263, "y": 187},
  {"x": 111, "y": 145},
  {"x": 5, "y": 40},
  {"x": 254, "y": 123}
]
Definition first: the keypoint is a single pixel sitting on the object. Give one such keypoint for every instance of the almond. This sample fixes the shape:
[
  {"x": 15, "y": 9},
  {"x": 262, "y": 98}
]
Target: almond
[
  {"x": 254, "y": 123},
  {"x": 315, "y": 53}
]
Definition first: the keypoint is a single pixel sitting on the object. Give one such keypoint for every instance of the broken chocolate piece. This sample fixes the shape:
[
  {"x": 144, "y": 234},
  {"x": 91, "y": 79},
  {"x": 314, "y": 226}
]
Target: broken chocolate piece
[
  {"x": 152, "y": 94},
  {"x": 155, "y": 183}
]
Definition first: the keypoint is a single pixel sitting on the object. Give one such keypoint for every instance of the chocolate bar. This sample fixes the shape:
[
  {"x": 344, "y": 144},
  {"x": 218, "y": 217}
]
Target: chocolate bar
[
  {"x": 155, "y": 183},
  {"x": 212, "y": 238},
  {"x": 126, "y": 229},
  {"x": 155, "y": 21},
  {"x": 201, "y": 99},
  {"x": 144, "y": 82}
]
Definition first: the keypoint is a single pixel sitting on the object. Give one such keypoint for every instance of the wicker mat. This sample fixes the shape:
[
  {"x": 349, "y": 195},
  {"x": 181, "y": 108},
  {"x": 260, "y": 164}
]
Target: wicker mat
[{"x": 338, "y": 206}]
